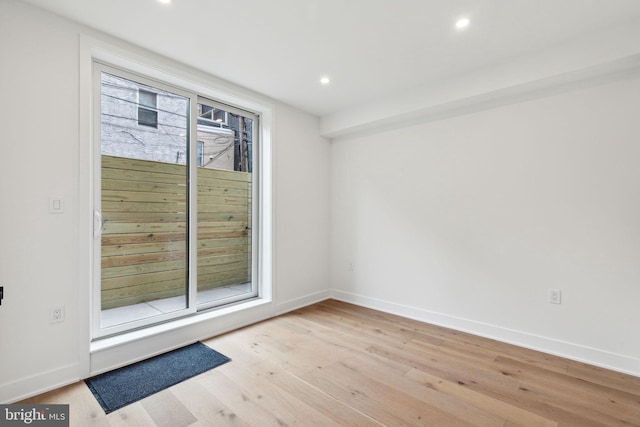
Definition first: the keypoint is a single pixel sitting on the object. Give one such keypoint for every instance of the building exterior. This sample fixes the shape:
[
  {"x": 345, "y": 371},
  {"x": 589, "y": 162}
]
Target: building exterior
[{"x": 147, "y": 123}]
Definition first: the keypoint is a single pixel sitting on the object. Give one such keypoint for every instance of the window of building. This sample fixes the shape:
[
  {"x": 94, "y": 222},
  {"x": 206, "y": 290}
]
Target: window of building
[
  {"x": 200, "y": 153},
  {"x": 147, "y": 108},
  {"x": 207, "y": 113}
]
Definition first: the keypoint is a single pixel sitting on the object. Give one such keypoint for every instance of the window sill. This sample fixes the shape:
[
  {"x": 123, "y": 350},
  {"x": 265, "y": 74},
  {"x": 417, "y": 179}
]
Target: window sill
[{"x": 104, "y": 344}]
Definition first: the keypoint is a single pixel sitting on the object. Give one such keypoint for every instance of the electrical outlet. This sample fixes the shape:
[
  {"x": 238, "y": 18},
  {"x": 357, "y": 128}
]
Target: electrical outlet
[
  {"x": 56, "y": 314},
  {"x": 555, "y": 296},
  {"x": 56, "y": 205}
]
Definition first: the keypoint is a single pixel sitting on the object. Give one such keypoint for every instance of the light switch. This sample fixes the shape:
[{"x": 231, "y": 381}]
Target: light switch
[{"x": 56, "y": 205}]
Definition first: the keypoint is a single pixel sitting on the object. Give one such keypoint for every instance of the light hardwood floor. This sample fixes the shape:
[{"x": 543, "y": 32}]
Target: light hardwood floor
[{"x": 338, "y": 364}]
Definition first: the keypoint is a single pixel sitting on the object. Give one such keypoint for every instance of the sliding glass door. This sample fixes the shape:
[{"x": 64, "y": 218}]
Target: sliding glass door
[
  {"x": 225, "y": 202},
  {"x": 174, "y": 202}
]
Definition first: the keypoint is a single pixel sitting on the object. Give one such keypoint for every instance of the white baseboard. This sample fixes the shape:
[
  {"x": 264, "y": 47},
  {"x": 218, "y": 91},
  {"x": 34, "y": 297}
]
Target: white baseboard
[
  {"x": 303, "y": 301},
  {"x": 40, "y": 383},
  {"x": 577, "y": 352}
]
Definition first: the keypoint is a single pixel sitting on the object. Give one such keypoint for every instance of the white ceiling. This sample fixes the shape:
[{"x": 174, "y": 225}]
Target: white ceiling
[{"x": 370, "y": 48}]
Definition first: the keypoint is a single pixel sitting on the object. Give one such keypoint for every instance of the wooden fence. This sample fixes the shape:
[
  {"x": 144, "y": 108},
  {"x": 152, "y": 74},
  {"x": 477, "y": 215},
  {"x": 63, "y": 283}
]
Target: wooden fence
[{"x": 144, "y": 235}]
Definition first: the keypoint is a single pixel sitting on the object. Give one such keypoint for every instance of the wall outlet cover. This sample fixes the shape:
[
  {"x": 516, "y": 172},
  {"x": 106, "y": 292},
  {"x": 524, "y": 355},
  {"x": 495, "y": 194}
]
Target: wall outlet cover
[
  {"x": 555, "y": 296},
  {"x": 56, "y": 314}
]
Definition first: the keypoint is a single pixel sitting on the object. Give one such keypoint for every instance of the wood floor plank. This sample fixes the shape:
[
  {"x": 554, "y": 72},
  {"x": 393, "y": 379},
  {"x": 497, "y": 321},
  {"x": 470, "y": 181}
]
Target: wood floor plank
[
  {"x": 605, "y": 377},
  {"x": 167, "y": 411},
  {"x": 242, "y": 401},
  {"x": 133, "y": 415},
  {"x": 491, "y": 383},
  {"x": 512, "y": 414},
  {"x": 202, "y": 402},
  {"x": 367, "y": 396},
  {"x": 447, "y": 408},
  {"x": 334, "y": 363},
  {"x": 285, "y": 406},
  {"x": 335, "y": 409},
  {"x": 84, "y": 409},
  {"x": 603, "y": 404}
]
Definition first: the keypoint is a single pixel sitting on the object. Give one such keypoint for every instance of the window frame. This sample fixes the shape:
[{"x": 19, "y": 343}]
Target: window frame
[{"x": 261, "y": 282}]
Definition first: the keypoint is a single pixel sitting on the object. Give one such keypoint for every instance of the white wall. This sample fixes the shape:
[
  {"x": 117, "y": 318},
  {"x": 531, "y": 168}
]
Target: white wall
[
  {"x": 468, "y": 221},
  {"x": 40, "y": 253},
  {"x": 38, "y": 250},
  {"x": 301, "y": 174}
]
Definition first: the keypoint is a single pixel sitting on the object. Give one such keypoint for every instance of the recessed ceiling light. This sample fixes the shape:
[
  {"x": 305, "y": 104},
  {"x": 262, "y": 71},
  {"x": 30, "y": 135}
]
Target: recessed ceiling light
[
  {"x": 325, "y": 80},
  {"x": 462, "y": 23},
  {"x": 165, "y": 1}
]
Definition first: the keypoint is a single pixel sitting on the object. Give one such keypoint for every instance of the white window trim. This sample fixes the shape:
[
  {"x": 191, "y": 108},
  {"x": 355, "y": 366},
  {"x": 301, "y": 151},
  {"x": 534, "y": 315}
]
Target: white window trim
[{"x": 126, "y": 348}]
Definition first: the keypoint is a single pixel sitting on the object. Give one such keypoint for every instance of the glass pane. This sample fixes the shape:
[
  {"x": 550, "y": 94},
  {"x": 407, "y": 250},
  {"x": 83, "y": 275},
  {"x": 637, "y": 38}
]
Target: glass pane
[
  {"x": 224, "y": 207},
  {"x": 144, "y": 203},
  {"x": 200, "y": 153},
  {"x": 148, "y": 99},
  {"x": 147, "y": 117}
]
